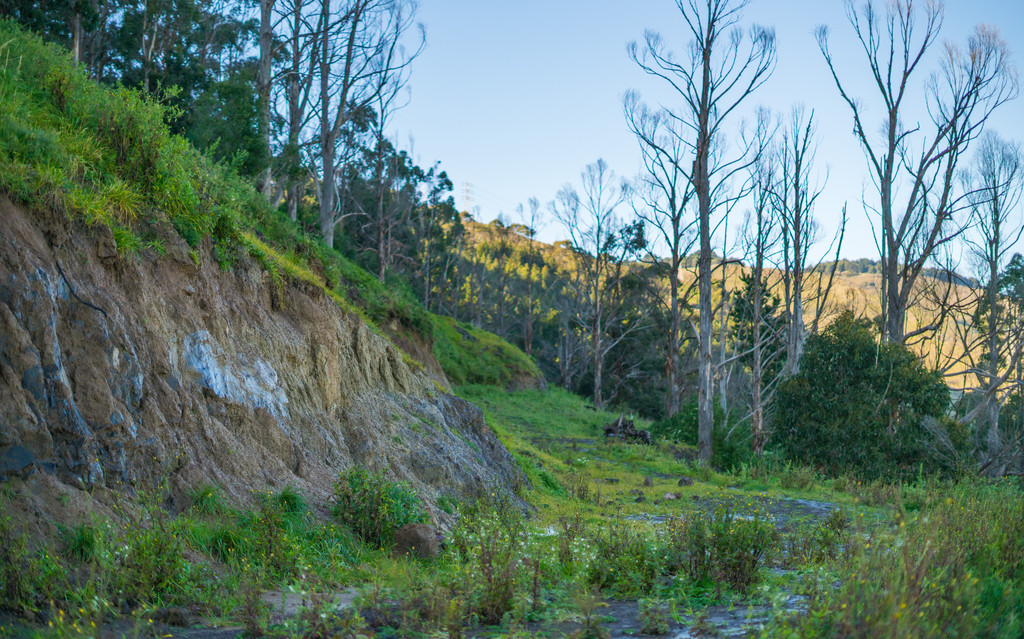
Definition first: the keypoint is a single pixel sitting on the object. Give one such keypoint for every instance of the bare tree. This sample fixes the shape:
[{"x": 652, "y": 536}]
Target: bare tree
[
  {"x": 263, "y": 84},
  {"x": 600, "y": 242},
  {"x": 718, "y": 74},
  {"x": 762, "y": 234},
  {"x": 794, "y": 195},
  {"x": 665, "y": 194},
  {"x": 913, "y": 165},
  {"x": 362, "y": 59},
  {"x": 992, "y": 344},
  {"x": 301, "y": 37}
]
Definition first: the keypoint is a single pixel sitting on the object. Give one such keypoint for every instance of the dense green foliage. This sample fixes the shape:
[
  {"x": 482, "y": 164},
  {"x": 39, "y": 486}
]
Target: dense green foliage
[
  {"x": 728, "y": 451},
  {"x": 200, "y": 49},
  {"x": 374, "y": 507},
  {"x": 858, "y": 405}
]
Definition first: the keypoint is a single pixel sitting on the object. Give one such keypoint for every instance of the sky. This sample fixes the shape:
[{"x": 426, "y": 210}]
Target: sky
[{"x": 515, "y": 98}]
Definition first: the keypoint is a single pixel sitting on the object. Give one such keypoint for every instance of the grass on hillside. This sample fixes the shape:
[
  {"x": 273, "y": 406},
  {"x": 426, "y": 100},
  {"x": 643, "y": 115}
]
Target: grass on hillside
[
  {"x": 105, "y": 156},
  {"x": 470, "y": 355}
]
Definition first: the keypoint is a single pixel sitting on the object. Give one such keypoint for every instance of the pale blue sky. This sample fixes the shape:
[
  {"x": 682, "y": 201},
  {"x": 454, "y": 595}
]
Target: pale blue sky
[{"x": 515, "y": 98}]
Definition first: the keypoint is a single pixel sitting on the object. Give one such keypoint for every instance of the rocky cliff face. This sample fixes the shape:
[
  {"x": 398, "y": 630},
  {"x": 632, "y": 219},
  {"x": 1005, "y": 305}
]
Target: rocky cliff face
[{"x": 126, "y": 371}]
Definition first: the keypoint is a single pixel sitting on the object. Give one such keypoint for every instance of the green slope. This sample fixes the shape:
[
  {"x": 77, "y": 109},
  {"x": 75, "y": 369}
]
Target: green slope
[{"x": 105, "y": 156}]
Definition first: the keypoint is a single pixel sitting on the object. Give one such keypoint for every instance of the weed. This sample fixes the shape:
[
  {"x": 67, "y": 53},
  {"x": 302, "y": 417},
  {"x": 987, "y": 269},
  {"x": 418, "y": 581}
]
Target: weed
[
  {"x": 654, "y": 616},
  {"x": 373, "y": 506},
  {"x": 208, "y": 500},
  {"x": 589, "y": 603},
  {"x": 627, "y": 562}
]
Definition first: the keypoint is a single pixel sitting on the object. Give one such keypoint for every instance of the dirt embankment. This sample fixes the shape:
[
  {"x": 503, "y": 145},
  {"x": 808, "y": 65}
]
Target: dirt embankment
[{"x": 122, "y": 372}]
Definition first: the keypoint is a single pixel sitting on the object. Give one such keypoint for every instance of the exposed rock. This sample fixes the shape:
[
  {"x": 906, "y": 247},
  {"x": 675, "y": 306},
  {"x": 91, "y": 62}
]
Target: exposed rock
[
  {"x": 669, "y": 496},
  {"x": 205, "y": 376},
  {"x": 422, "y": 540},
  {"x": 16, "y": 461},
  {"x": 106, "y": 245},
  {"x": 648, "y": 481},
  {"x": 686, "y": 481}
]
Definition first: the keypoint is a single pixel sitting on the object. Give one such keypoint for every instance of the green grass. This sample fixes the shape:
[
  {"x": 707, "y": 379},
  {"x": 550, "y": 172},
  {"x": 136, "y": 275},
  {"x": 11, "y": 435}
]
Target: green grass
[{"x": 469, "y": 355}]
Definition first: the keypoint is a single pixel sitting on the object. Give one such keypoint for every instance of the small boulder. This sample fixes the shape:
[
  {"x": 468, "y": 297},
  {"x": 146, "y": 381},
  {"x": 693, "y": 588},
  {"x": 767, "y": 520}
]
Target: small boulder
[
  {"x": 420, "y": 540},
  {"x": 640, "y": 499},
  {"x": 106, "y": 248},
  {"x": 669, "y": 496},
  {"x": 648, "y": 481},
  {"x": 686, "y": 481}
]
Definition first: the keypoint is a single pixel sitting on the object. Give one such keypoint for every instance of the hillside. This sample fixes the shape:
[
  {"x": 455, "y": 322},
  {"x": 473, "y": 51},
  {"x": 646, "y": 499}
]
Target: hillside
[{"x": 161, "y": 323}]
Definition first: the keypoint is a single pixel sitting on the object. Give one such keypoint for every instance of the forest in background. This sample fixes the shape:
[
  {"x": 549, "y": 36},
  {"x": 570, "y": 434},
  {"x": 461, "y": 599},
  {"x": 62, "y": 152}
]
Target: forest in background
[{"x": 634, "y": 309}]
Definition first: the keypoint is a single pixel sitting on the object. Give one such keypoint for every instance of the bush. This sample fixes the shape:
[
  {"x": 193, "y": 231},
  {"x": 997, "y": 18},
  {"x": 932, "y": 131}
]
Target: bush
[
  {"x": 374, "y": 507},
  {"x": 627, "y": 563},
  {"x": 727, "y": 452},
  {"x": 720, "y": 547},
  {"x": 956, "y": 571},
  {"x": 489, "y": 541},
  {"x": 858, "y": 404}
]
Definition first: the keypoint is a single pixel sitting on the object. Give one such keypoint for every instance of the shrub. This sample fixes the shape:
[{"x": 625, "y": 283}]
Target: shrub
[
  {"x": 208, "y": 499},
  {"x": 727, "y": 452},
  {"x": 653, "y": 615},
  {"x": 373, "y": 506},
  {"x": 857, "y": 404},
  {"x": 626, "y": 561},
  {"x": 720, "y": 547}
]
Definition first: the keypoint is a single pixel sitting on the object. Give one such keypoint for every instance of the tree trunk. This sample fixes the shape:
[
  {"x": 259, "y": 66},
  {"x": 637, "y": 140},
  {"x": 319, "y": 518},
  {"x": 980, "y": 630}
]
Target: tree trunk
[
  {"x": 263, "y": 80},
  {"x": 672, "y": 359},
  {"x": 705, "y": 365}
]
